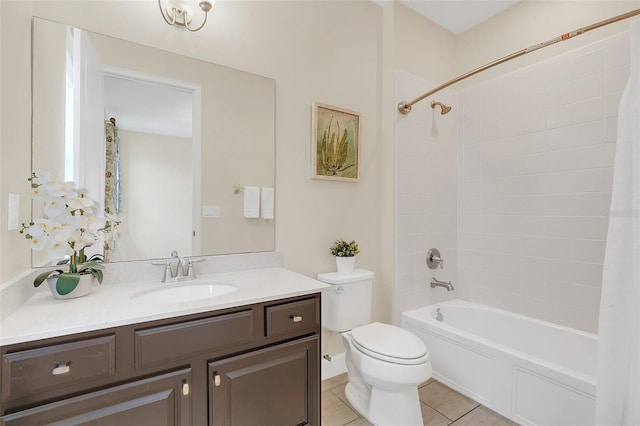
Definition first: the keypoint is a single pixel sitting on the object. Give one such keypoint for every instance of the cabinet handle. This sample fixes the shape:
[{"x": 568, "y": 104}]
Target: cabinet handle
[
  {"x": 296, "y": 318},
  {"x": 185, "y": 389},
  {"x": 216, "y": 380},
  {"x": 61, "y": 369}
]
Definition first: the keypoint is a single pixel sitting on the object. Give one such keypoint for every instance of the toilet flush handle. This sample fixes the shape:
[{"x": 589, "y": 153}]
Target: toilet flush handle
[{"x": 339, "y": 290}]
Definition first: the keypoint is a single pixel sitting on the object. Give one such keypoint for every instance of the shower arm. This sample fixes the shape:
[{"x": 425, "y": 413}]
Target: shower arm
[{"x": 405, "y": 107}]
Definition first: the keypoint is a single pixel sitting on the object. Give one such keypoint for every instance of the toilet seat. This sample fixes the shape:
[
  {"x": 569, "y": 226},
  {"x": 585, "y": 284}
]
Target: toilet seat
[{"x": 389, "y": 343}]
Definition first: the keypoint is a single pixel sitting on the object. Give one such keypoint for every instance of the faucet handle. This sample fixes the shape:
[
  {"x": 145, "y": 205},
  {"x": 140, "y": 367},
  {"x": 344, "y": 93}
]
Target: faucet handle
[
  {"x": 168, "y": 273},
  {"x": 191, "y": 273},
  {"x": 434, "y": 259}
]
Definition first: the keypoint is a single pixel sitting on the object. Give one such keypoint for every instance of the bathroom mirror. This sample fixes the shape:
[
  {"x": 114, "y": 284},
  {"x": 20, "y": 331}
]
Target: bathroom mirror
[{"x": 191, "y": 135}]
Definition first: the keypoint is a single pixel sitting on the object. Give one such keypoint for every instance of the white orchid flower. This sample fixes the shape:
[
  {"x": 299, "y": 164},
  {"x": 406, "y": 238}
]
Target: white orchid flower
[
  {"x": 38, "y": 228},
  {"x": 79, "y": 203},
  {"x": 95, "y": 223},
  {"x": 53, "y": 206},
  {"x": 86, "y": 239},
  {"x": 60, "y": 249},
  {"x": 68, "y": 185},
  {"x": 38, "y": 242},
  {"x": 78, "y": 221},
  {"x": 44, "y": 177},
  {"x": 53, "y": 189},
  {"x": 62, "y": 232},
  {"x": 71, "y": 221},
  {"x": 37, "y": 193}
]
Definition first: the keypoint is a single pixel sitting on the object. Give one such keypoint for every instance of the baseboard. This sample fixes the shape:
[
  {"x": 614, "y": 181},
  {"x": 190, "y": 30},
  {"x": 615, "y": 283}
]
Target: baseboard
[{"x": 335, "y": 367}]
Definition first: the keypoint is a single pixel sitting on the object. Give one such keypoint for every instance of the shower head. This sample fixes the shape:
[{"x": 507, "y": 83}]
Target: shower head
[{"x": 443, "y": 108}]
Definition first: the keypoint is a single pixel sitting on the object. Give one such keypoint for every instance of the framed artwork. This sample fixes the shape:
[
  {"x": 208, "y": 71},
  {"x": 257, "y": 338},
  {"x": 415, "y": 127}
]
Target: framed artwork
[{"x": 335, "y": 143}]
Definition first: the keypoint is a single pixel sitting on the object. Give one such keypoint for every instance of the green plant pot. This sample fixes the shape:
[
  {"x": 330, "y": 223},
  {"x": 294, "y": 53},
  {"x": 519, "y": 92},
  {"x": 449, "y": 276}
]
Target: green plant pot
[{"x": 84, "y": 287}]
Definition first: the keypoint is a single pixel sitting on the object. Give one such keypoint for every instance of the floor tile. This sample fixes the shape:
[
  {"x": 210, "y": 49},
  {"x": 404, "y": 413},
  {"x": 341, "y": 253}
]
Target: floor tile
[
  {"x": 426, "y": 383},
  {"x": 332, "y": 382},
  {"x": 358, "y": 422},
  {"x": 334, "y": 411},
  {"x": 482, "y": 416},
  {"x": 431, "y": 417},
  {"x": 445, "y": 400},
  {"x": 339, "y": 391}
]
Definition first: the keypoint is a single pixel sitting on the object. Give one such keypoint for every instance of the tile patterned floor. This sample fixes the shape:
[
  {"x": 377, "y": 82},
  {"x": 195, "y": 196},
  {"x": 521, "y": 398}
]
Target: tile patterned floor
[{"x": 441, "y": 406}]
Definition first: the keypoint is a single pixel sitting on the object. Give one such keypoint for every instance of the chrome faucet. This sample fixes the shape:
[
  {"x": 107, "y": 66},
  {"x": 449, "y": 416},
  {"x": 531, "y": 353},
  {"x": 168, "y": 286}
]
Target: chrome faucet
[
  {"x": 184, "y": 270},
  {"x": 437, "y": 283}
]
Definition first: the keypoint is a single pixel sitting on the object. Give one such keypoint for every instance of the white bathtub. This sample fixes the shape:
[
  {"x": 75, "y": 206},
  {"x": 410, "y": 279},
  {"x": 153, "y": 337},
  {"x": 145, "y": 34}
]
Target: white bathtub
[{"x": 533, "y": 372}]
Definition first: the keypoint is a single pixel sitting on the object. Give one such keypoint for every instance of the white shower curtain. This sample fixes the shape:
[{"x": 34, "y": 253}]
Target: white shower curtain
[{"x": 618, "y": 372}]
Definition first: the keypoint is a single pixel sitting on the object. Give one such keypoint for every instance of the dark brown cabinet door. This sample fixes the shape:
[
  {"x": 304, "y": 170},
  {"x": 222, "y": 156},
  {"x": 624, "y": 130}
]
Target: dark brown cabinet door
[
  {"x": 275, "y": 386},
  {"x": 157, "y": 401}
]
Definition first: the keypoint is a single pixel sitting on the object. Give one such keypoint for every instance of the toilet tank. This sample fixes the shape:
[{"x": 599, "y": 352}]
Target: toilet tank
[{"x": 347, "y": 303}]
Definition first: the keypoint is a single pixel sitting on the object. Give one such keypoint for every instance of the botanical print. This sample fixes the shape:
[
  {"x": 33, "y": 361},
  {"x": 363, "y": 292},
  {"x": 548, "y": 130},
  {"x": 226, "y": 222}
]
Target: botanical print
[{"x": 336, "y": 143}]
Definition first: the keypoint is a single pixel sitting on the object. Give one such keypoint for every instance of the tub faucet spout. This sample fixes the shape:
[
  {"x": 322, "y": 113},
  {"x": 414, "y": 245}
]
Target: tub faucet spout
[{"x": 437, "y": 283}]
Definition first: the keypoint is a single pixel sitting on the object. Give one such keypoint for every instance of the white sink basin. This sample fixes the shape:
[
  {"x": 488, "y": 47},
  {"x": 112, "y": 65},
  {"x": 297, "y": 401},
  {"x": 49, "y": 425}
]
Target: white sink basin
[{"x": 183, "y": 292}]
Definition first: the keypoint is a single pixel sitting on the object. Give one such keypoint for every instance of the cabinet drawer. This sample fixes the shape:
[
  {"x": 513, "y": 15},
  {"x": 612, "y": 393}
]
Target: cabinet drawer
[
  {"x": 292, "y": 317},
  {"x": 172, "y": 342},
  {"x": 154, "y": 401},
  {"x": 35, "y": 370}
]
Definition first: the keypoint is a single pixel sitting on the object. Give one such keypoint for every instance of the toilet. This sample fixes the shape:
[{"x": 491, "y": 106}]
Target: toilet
[{"x": 385, "y": 364}]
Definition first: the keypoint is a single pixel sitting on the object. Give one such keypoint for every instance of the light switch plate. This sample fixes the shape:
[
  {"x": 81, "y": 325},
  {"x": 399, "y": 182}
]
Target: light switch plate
[
  {"x": 210, "y": 211},
  {"x": 13, "y": 215}
]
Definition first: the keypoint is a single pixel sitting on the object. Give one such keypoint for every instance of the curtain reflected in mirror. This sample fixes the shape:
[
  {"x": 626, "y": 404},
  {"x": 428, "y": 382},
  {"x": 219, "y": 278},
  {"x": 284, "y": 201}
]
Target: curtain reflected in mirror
[{"x": 113, "y": 183}]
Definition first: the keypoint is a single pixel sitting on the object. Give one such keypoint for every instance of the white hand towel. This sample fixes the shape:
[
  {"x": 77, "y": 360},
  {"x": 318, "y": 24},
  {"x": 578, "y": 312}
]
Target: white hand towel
[
  {"x": 267, "y": 203},
  {"x": 251, "y": 202}
]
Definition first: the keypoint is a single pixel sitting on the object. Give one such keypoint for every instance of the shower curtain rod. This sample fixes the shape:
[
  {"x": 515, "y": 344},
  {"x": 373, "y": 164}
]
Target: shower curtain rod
[{"x": 405, "y": 107}]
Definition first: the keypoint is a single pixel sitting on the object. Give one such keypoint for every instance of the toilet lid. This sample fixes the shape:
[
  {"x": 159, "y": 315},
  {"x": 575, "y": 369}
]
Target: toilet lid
[{"x": 389, "y": 343}]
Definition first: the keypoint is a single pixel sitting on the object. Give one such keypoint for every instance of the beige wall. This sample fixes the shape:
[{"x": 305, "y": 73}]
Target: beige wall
[
  {"x": 422, "y": 47},
  {"x": 15, "y": 135},
  {"x": 161, "y": 162}
]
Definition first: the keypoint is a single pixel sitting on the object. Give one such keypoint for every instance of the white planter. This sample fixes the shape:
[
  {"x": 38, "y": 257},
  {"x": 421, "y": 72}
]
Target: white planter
[
  {"x": 345, "y": 265},
  {"x": 84, "y": 287}
]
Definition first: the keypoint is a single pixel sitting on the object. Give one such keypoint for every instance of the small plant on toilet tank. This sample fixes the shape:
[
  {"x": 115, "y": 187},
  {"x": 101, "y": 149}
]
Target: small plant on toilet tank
[{"x": 345, "y": 253}]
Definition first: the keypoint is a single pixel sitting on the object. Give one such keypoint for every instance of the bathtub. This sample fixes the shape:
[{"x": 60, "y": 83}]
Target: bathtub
[{"x": 530, "y": 371}]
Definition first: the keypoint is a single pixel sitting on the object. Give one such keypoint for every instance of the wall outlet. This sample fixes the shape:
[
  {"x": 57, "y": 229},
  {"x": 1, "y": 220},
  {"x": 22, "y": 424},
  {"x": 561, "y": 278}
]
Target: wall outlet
[
  {"x": 210, "y": 211},
  {"x": 13, "y": 214}
]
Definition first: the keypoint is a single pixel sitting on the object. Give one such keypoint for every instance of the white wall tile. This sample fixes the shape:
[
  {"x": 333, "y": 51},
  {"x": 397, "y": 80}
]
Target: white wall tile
[
  {"x": 587, "y": 87},
  {"x": 615, "y": 79},
  {"x": 588, "y": 110},
  {"x": 617, "y": 51},
  {"x": 589, "y": 63}
]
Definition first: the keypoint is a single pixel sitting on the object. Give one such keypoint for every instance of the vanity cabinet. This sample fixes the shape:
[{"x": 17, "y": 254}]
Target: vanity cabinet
[
  {"x": 247, "y": 365},
  {"x": 273, "y": 386}
]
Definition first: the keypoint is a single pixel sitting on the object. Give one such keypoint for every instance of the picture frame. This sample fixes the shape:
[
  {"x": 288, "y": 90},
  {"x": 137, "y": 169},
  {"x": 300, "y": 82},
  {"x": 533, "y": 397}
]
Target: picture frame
[{"x": 335, "y": 147}]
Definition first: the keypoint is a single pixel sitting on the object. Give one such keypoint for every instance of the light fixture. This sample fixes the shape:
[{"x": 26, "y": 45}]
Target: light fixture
[{"x": 178, "y": 12}]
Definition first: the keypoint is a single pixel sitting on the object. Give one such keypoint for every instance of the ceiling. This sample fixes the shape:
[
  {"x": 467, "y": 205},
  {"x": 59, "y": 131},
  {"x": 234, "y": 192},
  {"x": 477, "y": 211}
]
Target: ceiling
[
  {"x": 458, "y": 16},
  {"x": 147, "y": 107}
]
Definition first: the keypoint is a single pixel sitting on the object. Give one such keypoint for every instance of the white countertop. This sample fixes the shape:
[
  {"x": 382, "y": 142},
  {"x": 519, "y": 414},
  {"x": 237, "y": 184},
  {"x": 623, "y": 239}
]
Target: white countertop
[{"x": 111, "y": 305}]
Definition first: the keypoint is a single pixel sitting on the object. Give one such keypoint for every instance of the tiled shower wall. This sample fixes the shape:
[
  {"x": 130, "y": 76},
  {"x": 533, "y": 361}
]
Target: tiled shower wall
[
  {"x": 536, "y": 166},
  {"x": 516, "y": 197},
  {"x": 427, "y": 168}
]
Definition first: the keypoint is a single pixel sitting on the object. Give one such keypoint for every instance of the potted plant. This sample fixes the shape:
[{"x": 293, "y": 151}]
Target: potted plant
[
  {"x": 345, "y": 253},
  {"x": 69, "y": 226}
]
